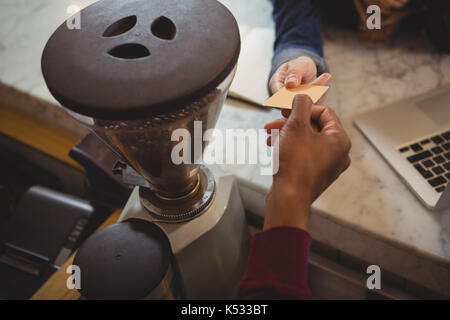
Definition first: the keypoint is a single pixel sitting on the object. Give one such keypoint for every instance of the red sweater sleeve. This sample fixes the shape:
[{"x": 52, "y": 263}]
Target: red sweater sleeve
[{"x": 277, "y": 265}]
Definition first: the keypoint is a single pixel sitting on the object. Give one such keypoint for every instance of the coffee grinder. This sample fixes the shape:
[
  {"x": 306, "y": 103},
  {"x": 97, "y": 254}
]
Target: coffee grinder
[{"x": 135, "y": 72}]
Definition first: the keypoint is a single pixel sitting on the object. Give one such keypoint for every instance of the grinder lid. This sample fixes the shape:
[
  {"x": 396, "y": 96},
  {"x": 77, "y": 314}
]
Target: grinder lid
[
  {"x": 140, "y": 58},
  {"x": 125, "y": 260}
]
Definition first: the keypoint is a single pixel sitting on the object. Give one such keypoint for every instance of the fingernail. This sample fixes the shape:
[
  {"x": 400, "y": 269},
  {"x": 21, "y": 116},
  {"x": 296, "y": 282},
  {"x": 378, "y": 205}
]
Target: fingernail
[
  {"x": 327, "y": 78},
  {"x": 291, "y": 79}
]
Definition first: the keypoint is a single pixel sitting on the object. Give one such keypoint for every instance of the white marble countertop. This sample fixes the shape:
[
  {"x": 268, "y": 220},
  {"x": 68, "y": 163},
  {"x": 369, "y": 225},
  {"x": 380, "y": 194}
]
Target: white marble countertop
[{"x": 368, "y": 212}]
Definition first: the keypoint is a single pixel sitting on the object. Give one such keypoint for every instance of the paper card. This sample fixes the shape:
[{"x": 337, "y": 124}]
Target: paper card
[{"x": 284, "y": 97}]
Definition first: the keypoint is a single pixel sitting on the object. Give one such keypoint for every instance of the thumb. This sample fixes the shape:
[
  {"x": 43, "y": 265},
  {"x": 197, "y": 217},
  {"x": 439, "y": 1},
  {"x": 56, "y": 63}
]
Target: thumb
[
  {"x": 301, "y": 112},
  {"x": 293, "y": 77},
  {"x": 300, "y": 70}
]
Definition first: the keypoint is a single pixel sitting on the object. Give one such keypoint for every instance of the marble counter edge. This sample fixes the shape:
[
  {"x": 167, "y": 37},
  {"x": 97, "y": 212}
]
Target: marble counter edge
[
  {"x": 40, "y": 108},
  {"x": 316, "y": 210},
  {"x": 416, "y": 267}
]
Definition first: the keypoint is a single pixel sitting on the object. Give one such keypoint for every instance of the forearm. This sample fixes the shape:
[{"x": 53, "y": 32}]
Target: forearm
[{"x": 297, "y": 33}]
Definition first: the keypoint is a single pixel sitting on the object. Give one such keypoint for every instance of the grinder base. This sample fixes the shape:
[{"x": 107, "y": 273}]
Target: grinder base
[
  {"x": 183, "y": 208},
  {"x": 211, "y": 251}
]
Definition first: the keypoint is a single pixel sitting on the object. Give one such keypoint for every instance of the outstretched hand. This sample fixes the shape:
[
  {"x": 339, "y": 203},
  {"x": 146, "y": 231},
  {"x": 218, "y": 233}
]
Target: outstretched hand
[
  {"x": 313, "y": 152},
  {"x": 295, "y": 72}
]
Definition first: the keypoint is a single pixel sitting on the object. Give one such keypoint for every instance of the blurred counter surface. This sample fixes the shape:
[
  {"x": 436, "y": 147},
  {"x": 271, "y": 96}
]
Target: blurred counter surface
[{"x": 368, "y": 216}]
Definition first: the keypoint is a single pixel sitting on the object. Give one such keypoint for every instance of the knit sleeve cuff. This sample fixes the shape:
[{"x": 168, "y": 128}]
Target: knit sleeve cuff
[
  {"x": 283, "y": 55},
  {"x": 277, "y": 265}
]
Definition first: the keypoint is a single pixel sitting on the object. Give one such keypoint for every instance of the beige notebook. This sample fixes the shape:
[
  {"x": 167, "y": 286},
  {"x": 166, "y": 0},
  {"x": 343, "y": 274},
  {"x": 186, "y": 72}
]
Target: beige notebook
[
  {"x": 284, "y": 97},
  {"x": 254, "y": 64}
]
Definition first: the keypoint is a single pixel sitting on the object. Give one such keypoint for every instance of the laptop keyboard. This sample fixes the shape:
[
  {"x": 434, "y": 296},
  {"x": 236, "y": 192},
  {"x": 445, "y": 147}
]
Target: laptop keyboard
[{"x": 431, "y": 158}]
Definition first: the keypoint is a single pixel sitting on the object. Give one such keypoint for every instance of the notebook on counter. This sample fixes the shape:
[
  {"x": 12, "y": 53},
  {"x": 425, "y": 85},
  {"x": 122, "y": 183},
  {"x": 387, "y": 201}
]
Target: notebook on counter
[{"x": 254, "y": 64}]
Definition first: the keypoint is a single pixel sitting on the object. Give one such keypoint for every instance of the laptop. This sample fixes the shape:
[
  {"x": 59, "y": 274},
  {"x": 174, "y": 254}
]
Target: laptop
[{"x": 413, "y": 135}]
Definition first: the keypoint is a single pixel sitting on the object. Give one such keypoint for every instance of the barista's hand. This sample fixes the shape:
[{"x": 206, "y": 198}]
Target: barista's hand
[
  {"x": 309, "y": 161},
  {"x": 295, "y": 72}
]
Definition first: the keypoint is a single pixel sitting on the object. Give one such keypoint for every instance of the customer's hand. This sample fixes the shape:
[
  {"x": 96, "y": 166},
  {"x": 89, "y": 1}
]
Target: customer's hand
[
  {"x": 309, "y": 161},
  {"x": 293, "y": 73}
]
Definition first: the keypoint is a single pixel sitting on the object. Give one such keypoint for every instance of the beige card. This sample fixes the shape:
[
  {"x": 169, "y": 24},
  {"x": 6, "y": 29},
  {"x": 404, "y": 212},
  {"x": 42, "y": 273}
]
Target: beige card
[{"x": 284, "y": 97}]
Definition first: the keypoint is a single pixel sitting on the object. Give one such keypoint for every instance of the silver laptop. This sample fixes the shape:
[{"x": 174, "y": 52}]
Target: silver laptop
[{"x": 413, "y": 135}]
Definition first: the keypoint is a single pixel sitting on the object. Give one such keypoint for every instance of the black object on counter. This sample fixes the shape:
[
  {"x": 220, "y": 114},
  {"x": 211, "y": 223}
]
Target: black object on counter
[
  {"x": 127, "y": 260},
  {"x": 43, "y": 232}
]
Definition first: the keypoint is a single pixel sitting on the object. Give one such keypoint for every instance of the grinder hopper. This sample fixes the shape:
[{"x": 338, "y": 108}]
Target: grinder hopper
[{"x": 138, "y": 70}]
